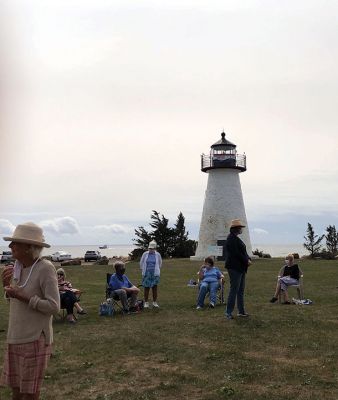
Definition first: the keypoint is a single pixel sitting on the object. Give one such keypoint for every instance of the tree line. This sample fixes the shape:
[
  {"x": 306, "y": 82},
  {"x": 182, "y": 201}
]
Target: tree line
[
  {"x": 313, "y": 242},
  {"x": 171, "y": 241}
]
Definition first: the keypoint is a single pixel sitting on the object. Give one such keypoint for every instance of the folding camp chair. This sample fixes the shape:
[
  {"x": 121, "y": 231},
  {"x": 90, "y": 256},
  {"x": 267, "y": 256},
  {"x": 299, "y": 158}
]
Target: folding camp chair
[
  {"x": 220, "y": 291},
  {"x": 115, "y": 300},
  {"x": 63, "y": 312},
  {"x": 299, "y": 286}
]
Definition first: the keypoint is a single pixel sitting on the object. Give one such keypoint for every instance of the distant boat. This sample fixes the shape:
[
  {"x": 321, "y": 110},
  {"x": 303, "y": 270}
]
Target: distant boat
[{"x": 103, "y": 247}]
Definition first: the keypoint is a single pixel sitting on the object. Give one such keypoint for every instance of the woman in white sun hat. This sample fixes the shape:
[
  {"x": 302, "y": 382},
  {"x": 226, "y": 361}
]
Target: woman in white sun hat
[
  {"x": 151, "y": 262},
  {"x": 32, "y": 291}
]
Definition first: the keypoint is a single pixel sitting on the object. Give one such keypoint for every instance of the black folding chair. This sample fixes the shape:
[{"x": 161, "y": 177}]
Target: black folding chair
[{"x": 110, "y": 295}]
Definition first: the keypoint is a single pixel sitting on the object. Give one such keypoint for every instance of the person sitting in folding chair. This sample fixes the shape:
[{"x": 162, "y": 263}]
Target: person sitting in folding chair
[
  {"x": 69, "y": 297},
  {"x": 289, "y": 276},
  {"x": 210, "y": 280},
  {"x": 121, "y": 287}
]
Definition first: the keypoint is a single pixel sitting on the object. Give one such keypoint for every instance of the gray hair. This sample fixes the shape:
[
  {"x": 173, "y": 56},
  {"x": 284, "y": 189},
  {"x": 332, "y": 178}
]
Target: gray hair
[
  {"x": 118, "y": 264},
  {"x": 34, "y": 251}
]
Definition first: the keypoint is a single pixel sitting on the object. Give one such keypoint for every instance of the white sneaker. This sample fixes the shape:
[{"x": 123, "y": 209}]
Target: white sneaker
[
  {"x": 212, "y": 305},
  {"x": 155, "y": 304},
  {"x": 198, "y": 308},
  {"x": 146, "y": 304}
]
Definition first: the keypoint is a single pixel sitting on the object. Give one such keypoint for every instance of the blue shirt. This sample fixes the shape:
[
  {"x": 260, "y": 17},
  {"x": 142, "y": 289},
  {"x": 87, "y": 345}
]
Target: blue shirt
[
  {"x": 118, "y": 282},
  {"x": 211, "y": 275},
  {"x": 151, "y": 262}
]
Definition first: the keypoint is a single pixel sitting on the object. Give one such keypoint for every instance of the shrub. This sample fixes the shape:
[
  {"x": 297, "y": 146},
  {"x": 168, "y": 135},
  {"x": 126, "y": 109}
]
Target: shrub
[
  {"x": 75, "y": 261},
  {"x": 266, "y": 255},
  {"x": 325, "y": 255},
  {"x": 258, "y": 253},
  {"x": 136, "y": 254}
]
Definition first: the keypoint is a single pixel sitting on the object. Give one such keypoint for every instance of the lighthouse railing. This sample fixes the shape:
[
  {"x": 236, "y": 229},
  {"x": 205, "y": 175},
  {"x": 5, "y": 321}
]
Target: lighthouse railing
[{"x": 223, "y": 161}]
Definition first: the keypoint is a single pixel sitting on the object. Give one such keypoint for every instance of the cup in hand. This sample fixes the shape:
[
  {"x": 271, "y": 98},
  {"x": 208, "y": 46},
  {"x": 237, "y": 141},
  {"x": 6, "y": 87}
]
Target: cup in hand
[{"x": 7, "y": 275}]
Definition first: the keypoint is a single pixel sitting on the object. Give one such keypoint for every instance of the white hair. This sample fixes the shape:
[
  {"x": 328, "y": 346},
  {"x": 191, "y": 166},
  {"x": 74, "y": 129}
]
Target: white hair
[{"x": 34, "y": 250}]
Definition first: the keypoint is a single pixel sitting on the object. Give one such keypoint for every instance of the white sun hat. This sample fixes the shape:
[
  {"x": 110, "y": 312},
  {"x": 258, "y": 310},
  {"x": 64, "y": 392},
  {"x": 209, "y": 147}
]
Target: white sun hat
[
  {"x": 29, "y": 233},
  {"x": 152, "y": 245}
]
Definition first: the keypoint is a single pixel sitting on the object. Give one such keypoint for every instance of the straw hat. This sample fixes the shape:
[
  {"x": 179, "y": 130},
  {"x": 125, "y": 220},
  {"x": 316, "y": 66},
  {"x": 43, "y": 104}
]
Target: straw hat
[
  {"x": 237, "y": 223},
  {"x": 152, "y": 245},
  {"x": 29, "y": 233}
]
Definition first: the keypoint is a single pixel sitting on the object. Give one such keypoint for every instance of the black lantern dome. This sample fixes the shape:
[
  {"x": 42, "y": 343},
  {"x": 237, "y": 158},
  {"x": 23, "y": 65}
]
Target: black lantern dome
[{"x": 223, "y": 154}]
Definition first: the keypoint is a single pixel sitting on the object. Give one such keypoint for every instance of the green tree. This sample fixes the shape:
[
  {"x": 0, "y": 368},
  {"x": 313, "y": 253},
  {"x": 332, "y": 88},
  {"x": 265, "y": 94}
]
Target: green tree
[
  {"x": 312, "y": 241},
  {"x": 143, "y": 238},
  {"x": 332, "y": 241},
  {"x": 171, "y": 242},
  {"x": 183, "y": 247},
  {"x": 162, "y": 234}
]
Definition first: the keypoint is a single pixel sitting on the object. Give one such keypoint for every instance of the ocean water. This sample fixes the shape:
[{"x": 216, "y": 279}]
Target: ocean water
[
  {"x": 79, "y": 251},
  {"x": 124, "y": 249},
  {"x": 276, "y": 250}
]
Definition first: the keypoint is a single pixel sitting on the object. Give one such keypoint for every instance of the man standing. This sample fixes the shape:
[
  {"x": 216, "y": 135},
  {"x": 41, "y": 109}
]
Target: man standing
[{"x": 237, "y": 264}]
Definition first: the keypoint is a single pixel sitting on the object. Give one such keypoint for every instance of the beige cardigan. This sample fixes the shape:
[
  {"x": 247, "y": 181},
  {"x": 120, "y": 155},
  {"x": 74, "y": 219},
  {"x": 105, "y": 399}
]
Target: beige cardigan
[{"x": 28, "y": 320}]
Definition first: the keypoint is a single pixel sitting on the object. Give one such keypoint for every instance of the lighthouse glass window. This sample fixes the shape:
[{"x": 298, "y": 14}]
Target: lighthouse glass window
[{"x": 223, "y": 158}]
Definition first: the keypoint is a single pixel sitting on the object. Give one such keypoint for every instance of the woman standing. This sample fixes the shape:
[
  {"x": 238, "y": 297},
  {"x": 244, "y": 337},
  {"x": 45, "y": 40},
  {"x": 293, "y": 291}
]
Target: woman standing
[
  {"x": 237, "y": 264},
  {"x": 151, "y": 262},
  {"x": 32, "y": 289}
]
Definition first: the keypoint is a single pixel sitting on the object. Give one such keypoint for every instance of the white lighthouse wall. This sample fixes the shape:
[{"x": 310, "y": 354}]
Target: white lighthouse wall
[{"x": 223, "y": 202}]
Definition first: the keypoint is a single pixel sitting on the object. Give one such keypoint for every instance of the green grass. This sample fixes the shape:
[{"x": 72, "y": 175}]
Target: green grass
[{"x": 176, "y": 352}]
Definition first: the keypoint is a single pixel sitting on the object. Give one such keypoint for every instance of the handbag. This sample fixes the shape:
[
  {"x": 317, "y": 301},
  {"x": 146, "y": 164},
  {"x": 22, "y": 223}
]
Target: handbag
[{"x": 106, "y": 309}]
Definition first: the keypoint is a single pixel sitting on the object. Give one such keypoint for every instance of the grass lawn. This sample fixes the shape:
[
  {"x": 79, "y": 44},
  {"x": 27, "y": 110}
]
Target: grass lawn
[{"x": 176, "y": 352}]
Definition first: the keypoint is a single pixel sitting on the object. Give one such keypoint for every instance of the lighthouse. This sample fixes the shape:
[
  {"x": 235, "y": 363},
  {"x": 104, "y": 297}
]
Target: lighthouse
[{"x": 223, "y": 198}]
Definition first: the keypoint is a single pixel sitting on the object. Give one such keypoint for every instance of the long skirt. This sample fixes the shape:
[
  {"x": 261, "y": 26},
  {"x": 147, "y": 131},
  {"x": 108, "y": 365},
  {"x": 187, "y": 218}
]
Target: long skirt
[{"x": 25, "y": 364}]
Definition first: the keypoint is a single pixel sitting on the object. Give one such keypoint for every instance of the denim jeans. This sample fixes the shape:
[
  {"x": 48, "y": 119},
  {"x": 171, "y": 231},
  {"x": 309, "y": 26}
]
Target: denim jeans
[
  {"x": 237, "y": 286},
  {"x": 204, "y": 288}
]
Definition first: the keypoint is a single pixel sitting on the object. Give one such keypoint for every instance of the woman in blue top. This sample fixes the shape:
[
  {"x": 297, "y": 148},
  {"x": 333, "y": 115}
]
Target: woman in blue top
[
  {"x": 210, "y": 279},
  {"x": 151, "y": 262}
]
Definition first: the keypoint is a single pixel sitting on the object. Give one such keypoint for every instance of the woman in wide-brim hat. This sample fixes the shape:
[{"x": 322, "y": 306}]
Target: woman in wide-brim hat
[
  {"x": 237, "y": 264},
  {"x": 151, "y": 263},
  {"x": 32, "y": 291}
]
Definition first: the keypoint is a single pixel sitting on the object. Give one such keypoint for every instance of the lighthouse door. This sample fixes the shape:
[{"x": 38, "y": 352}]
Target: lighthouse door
[{"x": 222, "y": 242}]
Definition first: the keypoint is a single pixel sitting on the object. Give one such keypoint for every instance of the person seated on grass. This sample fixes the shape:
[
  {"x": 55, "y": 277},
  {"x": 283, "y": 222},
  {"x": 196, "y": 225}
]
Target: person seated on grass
[
  {"x": 290, "y": 276},
  {"x": 68, "y": 296},
  {"x": 210, "y": 280},
  {"x": 122, "y": 288}
]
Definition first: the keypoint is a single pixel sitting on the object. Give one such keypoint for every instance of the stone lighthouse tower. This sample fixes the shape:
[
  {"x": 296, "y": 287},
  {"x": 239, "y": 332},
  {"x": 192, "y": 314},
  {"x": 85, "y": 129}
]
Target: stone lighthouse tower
[{"x": 223, "y": 198}]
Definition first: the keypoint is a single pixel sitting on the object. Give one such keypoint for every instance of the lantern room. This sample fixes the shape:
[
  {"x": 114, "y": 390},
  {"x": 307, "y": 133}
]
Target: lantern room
[{"x": 223, "y": 154}]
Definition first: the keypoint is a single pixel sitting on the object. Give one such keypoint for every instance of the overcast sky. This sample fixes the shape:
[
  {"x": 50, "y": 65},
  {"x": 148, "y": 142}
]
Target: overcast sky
[{"x": 108, "y": 105}]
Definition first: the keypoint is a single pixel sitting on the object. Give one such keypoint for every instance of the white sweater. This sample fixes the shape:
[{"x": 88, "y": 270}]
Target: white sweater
[
  {"x": 143, "y": 263},
  {"x": 28, "y": 321}
]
